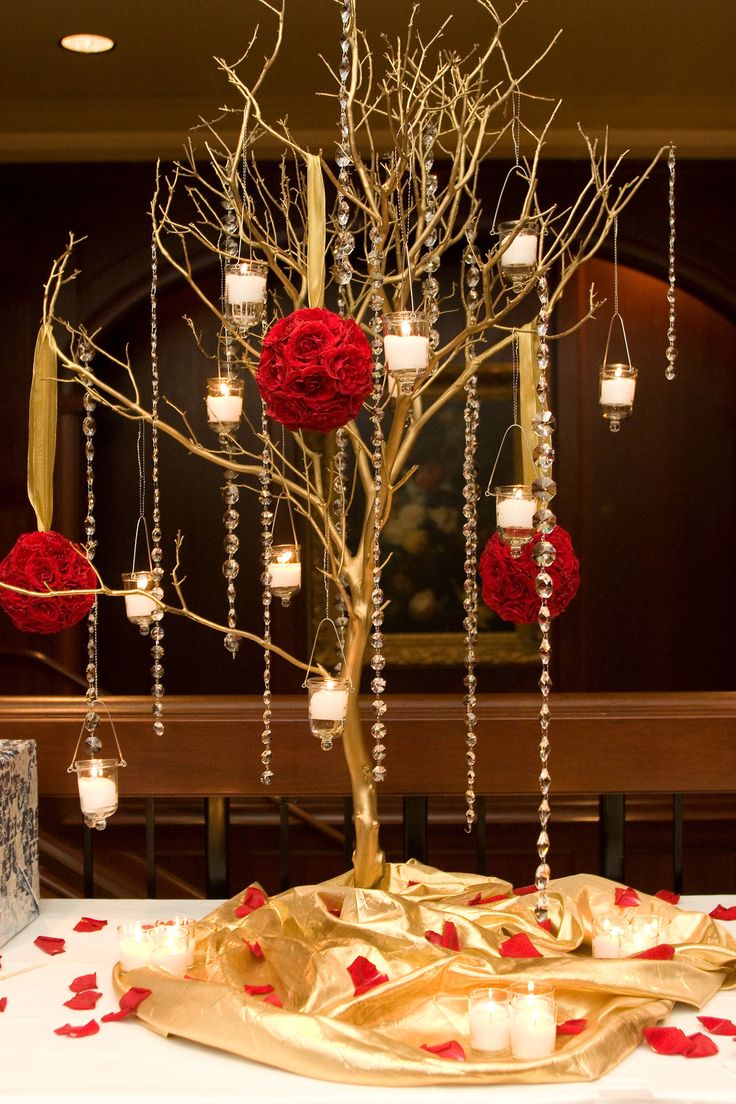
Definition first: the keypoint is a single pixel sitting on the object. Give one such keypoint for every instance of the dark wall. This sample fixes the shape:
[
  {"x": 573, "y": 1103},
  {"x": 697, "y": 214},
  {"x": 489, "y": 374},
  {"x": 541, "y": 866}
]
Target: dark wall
[{"x": 649, "y": 511}]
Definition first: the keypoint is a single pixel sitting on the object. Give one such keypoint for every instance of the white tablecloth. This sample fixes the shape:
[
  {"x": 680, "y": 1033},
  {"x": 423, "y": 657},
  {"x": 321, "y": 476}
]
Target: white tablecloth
[{"x": 126, "y": 1062}]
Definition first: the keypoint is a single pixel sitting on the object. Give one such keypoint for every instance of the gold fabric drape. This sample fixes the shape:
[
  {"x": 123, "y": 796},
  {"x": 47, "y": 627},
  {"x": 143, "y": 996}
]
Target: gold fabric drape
[{"x": 325, "y": 1031}]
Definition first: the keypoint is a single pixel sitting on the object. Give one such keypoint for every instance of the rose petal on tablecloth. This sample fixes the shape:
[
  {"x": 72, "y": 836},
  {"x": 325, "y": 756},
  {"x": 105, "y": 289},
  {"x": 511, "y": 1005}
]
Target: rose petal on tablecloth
[
  {"x": 274, "y": 999},
  {"x": 365, "y": 975},
  {"x": 700, "y": 1046},
  {"x": 572, "y": 1027},
  {"x": 521, "y": 891},
  {"x": 721, "y": 912},
  {"x": 450, "y": 1049},
  {"x": 50, "y": 944},
  {"x": 84, "y": 981},
  {"x": 518, "y": 946},
  {"x": 449, "y": 938},
  {"x": 78, "y": 1031},
  {"x": 253, "y": 898},
  {"x": 626, "y": 898},
  {"x": 668, "y": 895},
  {"x": 3, "y": 1003},
  {"x": 86, "y": 999},
  {"x": 663, "y": 952},
  {"x": 478, "y": 900},
  {"x": 88, "y": 924},
  {"x": 546, "y": 924},
  {"x": 717, "y": 1026},
  {"x": 256, "y": 950},
  {"x": 258, "y": 990},
  {"x": 666, "y": 1040},
  {"x": 129, "y": 1001}
]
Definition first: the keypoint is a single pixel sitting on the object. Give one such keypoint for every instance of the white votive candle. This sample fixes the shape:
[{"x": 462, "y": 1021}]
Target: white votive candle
[
  {"x": 406, "y": 352},
  {"x": 224, "y": 409},
  {"x": 488, "y": 1020},
  {"x": 244, "y": 287},
  {"x": 617, "y": 392},
  {"x": 282, "y": 576},
  {"x": 533, "y": 1030},
  {"x": 96, "y": 793},
  {"x": 134, "y": 945},
  {"x": 171, "y": 953},
  {"x": 607, "y": 946},
  {"x": 521, "y": 251},
  {"x": 328, "y": 704},
  {"x": 138, "y": 604},
  {"x": 515, "y": 513}
]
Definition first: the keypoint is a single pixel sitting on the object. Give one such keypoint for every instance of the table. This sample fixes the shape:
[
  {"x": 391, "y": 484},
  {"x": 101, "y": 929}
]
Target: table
[{"x": 128, "y": 1063}]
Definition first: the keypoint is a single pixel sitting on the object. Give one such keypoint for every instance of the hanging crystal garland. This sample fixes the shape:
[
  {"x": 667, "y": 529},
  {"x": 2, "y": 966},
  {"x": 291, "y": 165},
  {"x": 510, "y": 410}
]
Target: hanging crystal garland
[
  {"x": 544, "y": 554},
  {"x": 265, "y": 478},
  {"x": 345, "y": 242},
  {"x": 89, "y": 427},
  {"x": 430, "y": 286},
  {"x": 671, "y": 354},
  {"x": 157, "y": 631},
  {"x": 470, "y": 526},
  {"x": 378, "y": 662}
]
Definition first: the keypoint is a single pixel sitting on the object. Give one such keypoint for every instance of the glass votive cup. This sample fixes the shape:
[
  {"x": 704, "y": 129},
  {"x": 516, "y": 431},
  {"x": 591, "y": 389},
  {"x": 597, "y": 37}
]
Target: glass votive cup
[
  {"x": 406, "y": 347},
  {"x": 97, "y": 783},
  {"x": 245, "y": 292},
  {"x": 532, "y": 1018},
  {"x": 515, "y": 510},
  {"x": 616, "y": 393},
  {"x": 284, "y": 572},
  {"x": 519, "y": 244},
  {"x": 488, "y": 1021},
  {"x": 172, "y": 944},
  {"x": 134, "y": 944},
  {"x": 224, "y": 400},
  {"x": 328, "y": 708},
  {"x": 610, "y": 935},
  {"x": 644, "y": 932},
  {"x": 140, "y": 593}
]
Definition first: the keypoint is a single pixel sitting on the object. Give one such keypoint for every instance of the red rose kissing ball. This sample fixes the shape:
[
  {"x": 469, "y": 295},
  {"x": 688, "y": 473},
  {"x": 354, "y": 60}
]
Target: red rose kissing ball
[
  {"x": 508, "y": 582},
  {"x": 46, "y": 562}
]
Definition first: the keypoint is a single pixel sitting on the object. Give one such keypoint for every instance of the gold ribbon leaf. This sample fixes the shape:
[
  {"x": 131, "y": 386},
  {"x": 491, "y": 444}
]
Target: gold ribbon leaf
[
  {"x": 316, "y": 231},
  {"x": 42, "y": 430}
]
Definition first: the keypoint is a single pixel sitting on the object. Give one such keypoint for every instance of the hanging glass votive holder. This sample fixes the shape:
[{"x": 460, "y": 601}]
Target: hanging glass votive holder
[
  {"x": 519, "y": 250},
  {"x": 97, "y": 782},
  {"x": 285, "y": 571},
  {"x": 328, "y": 708},
  {"x": 140, "y": 605},
  {"x": 617, "y": 390},
  {"x": 406, "y": 347},
  {"x": 515, "y": 509},
  {"x": 224, "y": 403},
  {"x": 245, "y": 292}
]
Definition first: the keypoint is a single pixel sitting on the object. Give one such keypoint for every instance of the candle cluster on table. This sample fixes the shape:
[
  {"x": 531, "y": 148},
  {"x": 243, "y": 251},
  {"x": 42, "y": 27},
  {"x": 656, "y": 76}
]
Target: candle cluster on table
[
  {"x": 515, "y": 509},
  {"x": 97, "y": 782},
  {"x": 245, "y": 292},
  {"x": 224, "y": 403},
  {"x": 617, "y": 390},
  {"x": 616, "y": 935},
  {"x": 166, "y": 944},
  {"x": 139, "y": 587},
  {"x": 519, "y": 1021},
  {"x": 520, "y": 245},
  {"x": 285, "y": 571},
  {"x": 328, "y": 708},
  {"x": 406, "y": 347}
]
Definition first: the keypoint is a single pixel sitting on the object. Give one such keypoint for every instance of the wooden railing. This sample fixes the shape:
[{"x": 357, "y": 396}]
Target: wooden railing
[{"x": 606, "y": 746}]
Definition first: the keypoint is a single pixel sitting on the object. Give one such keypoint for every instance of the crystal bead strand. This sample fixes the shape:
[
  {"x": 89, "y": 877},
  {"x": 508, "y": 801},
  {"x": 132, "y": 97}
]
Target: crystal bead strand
[
  {"x": 157, "y": 632},
  {"x": 89, "y": 427},
  {"x": 267, "y": 538},
  {"x": 378, "y": 661},
  {"x": 430, "y": 287},
  {"x": 470, "y": 529},
  {"x": 671, "y": 353},
  {"x": 231, "y": 543},
  {"x": 544, "y": 554},
  {"x": 345, "y": 242},
  {"x": 338, "y": 513}
]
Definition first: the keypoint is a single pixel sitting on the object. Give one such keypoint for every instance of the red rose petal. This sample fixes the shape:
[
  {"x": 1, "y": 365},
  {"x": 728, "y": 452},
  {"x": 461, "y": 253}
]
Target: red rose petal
[
  {"x": 87, "y": 924},
  {"x": 449, "y": 938},
  {"x": 364, "y": 974},
  {"x": 717, "y": 1026},
  {"x": 87, "y": 999},
  {"x": 78, "y": 1032},
  {"x": 450, "y": 1049},
  {"x": 3, "y": 1003},
  {"x": 49, "y": 944},
  {"x": 518, "y": 946},
  {"x": 626, "y": 898},
  {"x": 274, "y": 999},
  {"x": 572, "y": 1027},
  {"x": 546, "y": 924},
  {"x": 721, "y": 912},
  {"x": 667, "y": 895},
  {"x": 522, "y": 891},
  {"x": 84, "y": 981},
  {"x": 128, "y": 1003},
  {"x": 253, "y": 898},
  {"x": 663, "y": 952},
  {"x": 700, "y": 1046},
  {"x": 666, "y": 1040},
  {"x": 256, "y": 950},
  {"x": 411, "y": 884},
  {"x": 258, "y": 990},
  {"x": 478, "y": 900}
]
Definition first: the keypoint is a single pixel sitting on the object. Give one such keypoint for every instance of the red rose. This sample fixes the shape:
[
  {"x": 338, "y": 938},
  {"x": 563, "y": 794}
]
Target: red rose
[
  {"x": 46, "y": 562},
  {"x": 509, "y": 582},
  {"x": 315, "y": 370}
]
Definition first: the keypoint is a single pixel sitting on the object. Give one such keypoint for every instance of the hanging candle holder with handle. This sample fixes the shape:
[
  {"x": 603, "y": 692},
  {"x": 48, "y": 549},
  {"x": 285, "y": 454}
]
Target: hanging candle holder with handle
[
  {"x": 617, "y": 383},
  {"x": 516, "y": 503},
  {"x": 328, "y": 695},
  {"x": 141, "y": 586},
  {"x": 284, "y": 571},
  {"x": 518, "y": 239},
  {"x": 97, "y": 778}
]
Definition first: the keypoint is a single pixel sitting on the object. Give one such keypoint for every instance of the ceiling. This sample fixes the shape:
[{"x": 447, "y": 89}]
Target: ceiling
[{"x": 651, "y": 70}]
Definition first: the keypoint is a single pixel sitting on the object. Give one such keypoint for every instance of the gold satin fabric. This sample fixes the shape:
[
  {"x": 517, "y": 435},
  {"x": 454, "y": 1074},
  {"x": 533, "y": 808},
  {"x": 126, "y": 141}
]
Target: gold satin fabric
[{"x": 324, "y": 1031}]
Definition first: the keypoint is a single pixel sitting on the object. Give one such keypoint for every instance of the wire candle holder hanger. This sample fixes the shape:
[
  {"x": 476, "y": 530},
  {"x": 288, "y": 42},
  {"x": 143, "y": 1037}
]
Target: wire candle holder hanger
[{"x": 617, "y": 379}]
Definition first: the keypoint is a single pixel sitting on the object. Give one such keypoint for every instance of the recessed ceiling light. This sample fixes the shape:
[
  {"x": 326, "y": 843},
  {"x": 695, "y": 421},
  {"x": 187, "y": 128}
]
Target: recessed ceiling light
[{"x": 87, "y": 43}]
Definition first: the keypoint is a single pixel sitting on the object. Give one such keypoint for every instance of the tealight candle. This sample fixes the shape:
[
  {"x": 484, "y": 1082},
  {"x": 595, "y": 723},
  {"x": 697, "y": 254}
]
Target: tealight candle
[
  {"x": 134, "y": 944},
  {"x": 284, "y": 571},
  {"x": 532, "y": 1020},
  {"x": 521, "y": 251},
  {"x": 643, "y": 932},
  {"x": 330, "y": 703},
  {"x": 617, "y": 391},
  {"x": 97, "y": 783},
  {"x": 609, "y": 936},
  {"x": 406, "y": 347},
  {"x": 519, "y": 245},
  {"x": 96, "y": 794},
  {"x": 245, "y": 291},
  {"x": 139, "y": 605},
  {"x": 488, "y": 1018},
  {"x": 224, "y": 409},
  {"x": 516, "y": 512}
]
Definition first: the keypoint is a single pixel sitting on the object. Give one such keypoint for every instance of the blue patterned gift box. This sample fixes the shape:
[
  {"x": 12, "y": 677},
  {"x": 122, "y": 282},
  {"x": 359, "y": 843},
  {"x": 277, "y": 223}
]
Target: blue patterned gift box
[{"x": 19, "y": 889}]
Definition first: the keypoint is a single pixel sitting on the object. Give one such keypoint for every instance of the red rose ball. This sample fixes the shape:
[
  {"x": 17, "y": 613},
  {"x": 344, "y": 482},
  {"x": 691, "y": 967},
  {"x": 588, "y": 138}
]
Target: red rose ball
[
  {"x": 315, "y": 370},
  {"x": 46, "y": 562},
  {"x": 508, "y": 582}
]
